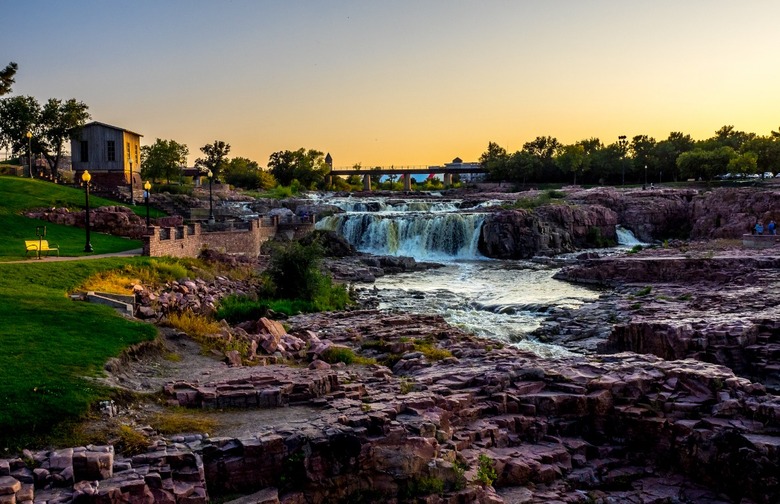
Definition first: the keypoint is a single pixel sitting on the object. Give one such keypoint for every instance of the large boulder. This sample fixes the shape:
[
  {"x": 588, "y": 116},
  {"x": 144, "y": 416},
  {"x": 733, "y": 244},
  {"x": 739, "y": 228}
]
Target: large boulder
[{"x": 548, "y": 230}]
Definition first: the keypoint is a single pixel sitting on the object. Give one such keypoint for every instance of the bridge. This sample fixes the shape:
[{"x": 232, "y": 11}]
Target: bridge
[{"x": 448, "y": 171}]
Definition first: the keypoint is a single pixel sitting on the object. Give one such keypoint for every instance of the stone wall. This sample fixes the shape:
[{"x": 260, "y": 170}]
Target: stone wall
[{"x": 188, "y": 240}]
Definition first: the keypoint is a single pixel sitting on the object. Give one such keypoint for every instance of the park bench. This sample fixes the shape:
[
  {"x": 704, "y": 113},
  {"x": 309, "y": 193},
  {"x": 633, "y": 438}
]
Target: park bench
[{"x": 38, "y": 246}]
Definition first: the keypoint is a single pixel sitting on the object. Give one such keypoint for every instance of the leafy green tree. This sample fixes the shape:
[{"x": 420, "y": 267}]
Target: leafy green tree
[
  {"x": 7, "y": 78},
  {"x": 163, "y": 159},
  {"x": 693, "y": 163},
  {"x": 18, "y": 115},
  {"x": 571, "y": 159},
  {"x": 215, "y": 159},
  {"x": 494, "y": 161},
  {"x": 607, "y": 163},
  {"x": 743, "y": 163},
  {"x": 642, "y": 150},
  {"x": 243, "y": 172},
  {"x": 59, "y": 121},
  {"x": 667, "y": 151},
  {"x": 767, "y": 150},
  {"x": 306, "y": 166},
  {"x": 544, "y": 149},
  {"x": 727, "y": 136},
  {"x": 51, "y": 125},
  {"x": 522, "y": 166}
]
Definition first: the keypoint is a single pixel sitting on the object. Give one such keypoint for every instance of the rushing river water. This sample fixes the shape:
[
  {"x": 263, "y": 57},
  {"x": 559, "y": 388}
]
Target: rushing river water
[{"x": 502, "y": 300}]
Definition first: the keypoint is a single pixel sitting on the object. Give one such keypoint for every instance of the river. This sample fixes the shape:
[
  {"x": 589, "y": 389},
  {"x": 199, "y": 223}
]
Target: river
[{"x": 496, "y": 299}]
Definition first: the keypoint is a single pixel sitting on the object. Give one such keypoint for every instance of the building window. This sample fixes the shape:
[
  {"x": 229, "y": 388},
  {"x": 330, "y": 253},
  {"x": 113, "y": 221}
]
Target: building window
[
  {"x": 111, "y": 150},
  {"x": 137, "y": 159},
  {"x": 84, "y": 151}
]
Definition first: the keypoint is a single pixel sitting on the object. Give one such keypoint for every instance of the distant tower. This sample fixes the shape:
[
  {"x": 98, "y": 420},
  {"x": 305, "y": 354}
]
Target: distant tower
[{"x": 329, "y": 160}]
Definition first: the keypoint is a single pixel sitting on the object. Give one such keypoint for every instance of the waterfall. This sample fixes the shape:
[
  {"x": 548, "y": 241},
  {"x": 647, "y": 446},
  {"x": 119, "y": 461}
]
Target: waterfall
[
  {"x": 424, "y": 236},
  {"x": 626, "y": 238},
  {"x": 385, "y": 206}
]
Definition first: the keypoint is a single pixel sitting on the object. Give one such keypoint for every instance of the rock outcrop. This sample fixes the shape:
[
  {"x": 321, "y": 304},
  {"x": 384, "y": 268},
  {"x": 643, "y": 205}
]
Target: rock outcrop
[{"x": 548, "y": 230}]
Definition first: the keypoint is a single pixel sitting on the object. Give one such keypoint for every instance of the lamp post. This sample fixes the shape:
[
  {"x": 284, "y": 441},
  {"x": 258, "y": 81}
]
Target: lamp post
[
  {"x": 147, "y": 188},
  {"x": 29, "y": 151},
  {"x": 645, "y": 175},
  {"x": 211, "y": 199},
  {"x": 86, "y": 177},
  {"x": 132, "y": 197},
  {"x": 622, "y": 142}
]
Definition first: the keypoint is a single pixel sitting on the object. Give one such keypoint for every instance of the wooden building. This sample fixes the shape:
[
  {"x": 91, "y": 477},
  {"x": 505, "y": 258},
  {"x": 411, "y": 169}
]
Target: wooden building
[{"x": 111, "y": 154}]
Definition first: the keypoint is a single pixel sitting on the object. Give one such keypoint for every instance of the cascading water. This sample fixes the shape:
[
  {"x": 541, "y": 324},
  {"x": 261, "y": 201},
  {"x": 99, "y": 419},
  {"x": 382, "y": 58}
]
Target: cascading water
[
  {"x": 424, "y": 236},
  {"x": 501, "y": 300},
  {"x": 626, "y": 238}
]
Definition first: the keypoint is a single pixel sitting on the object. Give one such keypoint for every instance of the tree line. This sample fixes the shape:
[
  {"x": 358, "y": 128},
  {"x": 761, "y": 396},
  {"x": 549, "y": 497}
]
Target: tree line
[{"x": 638, "y": 160}]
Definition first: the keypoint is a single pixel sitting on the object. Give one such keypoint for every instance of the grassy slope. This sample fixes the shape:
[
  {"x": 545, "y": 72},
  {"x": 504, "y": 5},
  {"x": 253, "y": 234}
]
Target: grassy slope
[
  {"x": 18, "y": 194},
  {"x": 50, "y": 343}
]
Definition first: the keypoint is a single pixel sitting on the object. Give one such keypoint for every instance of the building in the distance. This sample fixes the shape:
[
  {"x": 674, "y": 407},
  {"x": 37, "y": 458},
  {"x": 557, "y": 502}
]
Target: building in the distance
[{"x": 111, "y": 154}]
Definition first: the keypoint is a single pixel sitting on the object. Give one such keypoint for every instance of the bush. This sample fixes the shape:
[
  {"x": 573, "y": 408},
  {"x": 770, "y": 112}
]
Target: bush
[
  {"x": 173, "y": 188},
  {"x": 486, "y": 473},
  {"x": 294, "y": 274}
]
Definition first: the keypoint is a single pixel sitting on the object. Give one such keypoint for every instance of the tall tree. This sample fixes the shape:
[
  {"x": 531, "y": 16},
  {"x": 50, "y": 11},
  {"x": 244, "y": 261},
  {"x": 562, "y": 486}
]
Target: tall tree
[
  {"x": 7, "y": 78},
  {"x": 543, "y": 149},
  {"x": 308, "y": 167},
  {"x": 18, "y": 115},
  {"x": 163, "y": 159},
  {"x": 51, "y": 125},
  {"x": 59, "y": 121},
  {"x": 243, "y": 172},
  {"x": 571, "y": 159},
  {"x": 216, "y": 157},
  {"x": 494, "y": 160},
  {"x": 642, "y": 149}
]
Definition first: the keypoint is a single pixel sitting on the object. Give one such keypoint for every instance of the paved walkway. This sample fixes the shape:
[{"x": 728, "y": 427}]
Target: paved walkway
[{"x": 35, "y": 260}]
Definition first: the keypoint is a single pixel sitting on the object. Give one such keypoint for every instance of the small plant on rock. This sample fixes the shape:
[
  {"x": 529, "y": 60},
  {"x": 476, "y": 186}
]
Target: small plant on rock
[{"x": 486, "y": 473}]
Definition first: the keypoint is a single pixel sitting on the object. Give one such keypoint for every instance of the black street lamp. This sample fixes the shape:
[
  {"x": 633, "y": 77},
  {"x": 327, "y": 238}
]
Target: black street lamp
[
  {"x": 86, "y": 177},
  {"x": 210, "y": 175},
  {"x": 132, "y": 196},
  {"x": 29, "y": 152},
  {"x": 147, "y": 188},
  {"x": 622, "y": 142},
  {"x": 645, "y": 175}
]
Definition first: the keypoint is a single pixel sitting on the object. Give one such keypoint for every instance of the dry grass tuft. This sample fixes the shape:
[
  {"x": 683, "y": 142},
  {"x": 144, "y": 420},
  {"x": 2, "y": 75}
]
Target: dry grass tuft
[
  {"x": 196, "y": 326},
  {"x": 178, "y": 421}
]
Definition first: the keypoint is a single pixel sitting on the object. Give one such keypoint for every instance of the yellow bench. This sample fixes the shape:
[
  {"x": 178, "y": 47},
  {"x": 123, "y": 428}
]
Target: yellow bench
[{"x": 38, "y": 246}]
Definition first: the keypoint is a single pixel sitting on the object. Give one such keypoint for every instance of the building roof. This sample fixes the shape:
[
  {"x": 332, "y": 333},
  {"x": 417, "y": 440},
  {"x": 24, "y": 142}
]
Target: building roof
[{"x": 98, "y": 123}]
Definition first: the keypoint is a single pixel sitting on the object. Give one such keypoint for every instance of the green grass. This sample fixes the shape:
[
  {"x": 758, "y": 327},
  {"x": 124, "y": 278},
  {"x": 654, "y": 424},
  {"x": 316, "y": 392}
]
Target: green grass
[
  {"x": 18, "y": 194},
  {"x": 52, "y": 344}
]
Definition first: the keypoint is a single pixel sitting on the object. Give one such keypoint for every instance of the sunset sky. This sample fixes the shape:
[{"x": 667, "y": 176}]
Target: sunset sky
[{"x": 403, "y": 83}]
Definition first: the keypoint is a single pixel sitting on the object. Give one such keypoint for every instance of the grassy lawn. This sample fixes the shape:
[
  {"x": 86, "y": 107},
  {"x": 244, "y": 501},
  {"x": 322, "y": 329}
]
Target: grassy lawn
[
  {"x": 51, "y": 343},
  {"x": 18, "y": 194}
]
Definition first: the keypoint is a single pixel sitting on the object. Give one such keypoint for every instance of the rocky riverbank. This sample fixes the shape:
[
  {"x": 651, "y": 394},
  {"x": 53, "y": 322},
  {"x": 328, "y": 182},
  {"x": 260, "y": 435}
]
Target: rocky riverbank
[{"x": 673, "y": 397}]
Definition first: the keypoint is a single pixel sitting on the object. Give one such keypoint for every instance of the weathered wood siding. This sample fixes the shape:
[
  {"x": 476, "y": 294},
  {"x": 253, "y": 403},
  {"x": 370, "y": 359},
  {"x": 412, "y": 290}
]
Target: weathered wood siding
[{"x": 97, "y": 136}]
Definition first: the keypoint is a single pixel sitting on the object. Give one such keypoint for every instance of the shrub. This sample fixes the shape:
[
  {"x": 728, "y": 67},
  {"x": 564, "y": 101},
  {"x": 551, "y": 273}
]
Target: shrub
[
  {"x": 294, "y": 273},
  {"x": 131, "y": 442},
  {"x": 235, "y": 308},
  {"x": 486, "y": 473},
  {"x": 339, "y": 354}
]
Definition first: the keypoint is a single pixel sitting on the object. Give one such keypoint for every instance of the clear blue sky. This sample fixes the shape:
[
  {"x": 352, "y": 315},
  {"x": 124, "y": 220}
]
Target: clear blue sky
[{"x": 401, "y": 82}]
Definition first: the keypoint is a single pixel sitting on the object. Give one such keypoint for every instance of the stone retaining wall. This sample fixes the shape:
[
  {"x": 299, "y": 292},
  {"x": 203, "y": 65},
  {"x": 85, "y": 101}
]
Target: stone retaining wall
[{"x": 188, "y": 240}]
